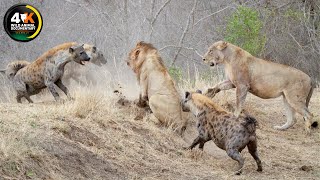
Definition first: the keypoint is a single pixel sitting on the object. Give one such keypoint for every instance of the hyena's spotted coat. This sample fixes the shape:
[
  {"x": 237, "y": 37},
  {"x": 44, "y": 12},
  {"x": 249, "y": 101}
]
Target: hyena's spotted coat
[
  {"x": 228, "y": 132},
  {"x": 47, "y": 71}
]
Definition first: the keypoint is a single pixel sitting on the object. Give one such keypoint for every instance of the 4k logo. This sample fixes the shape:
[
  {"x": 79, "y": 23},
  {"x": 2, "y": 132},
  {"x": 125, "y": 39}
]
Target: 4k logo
[
  {"x": 22, "y": 22},
  {"x": 24, "y": 17}
]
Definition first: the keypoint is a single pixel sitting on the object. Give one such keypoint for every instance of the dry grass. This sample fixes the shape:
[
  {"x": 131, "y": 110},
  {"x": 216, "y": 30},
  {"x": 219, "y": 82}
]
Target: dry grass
[{"x": 93, "y": 137}]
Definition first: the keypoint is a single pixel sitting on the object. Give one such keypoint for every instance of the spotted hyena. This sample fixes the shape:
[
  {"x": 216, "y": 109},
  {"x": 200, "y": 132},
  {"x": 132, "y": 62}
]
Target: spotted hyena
[
  {"x": 47, "y": 71},
  {"x": 228, "y": 132},
  {"x": 73, "y": 71}
]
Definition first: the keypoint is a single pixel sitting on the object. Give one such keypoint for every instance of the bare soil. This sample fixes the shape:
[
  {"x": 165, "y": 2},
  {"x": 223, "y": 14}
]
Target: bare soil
[{"x": 100, "y": 137}]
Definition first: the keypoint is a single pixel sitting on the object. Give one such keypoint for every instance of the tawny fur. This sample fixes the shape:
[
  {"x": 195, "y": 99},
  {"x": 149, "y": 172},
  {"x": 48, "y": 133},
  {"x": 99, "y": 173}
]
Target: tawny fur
[
  {"x": 228, "y": 132},
  {"x": 262, "y": 78},
  {"x": 156, "y": 86}
]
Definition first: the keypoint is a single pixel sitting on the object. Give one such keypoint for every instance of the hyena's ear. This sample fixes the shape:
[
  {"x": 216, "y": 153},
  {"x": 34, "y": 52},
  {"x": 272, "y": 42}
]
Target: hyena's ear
[
  {"x": 187, "y": 95},
  {"x": 199, "y": 91},
  {"x": 94, "y": 49},
  {"x": 222, "y": 45},
  {"x": 71, "y": 49}
]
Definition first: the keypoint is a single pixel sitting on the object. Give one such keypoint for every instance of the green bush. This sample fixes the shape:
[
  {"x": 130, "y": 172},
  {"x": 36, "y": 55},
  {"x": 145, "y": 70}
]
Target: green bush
[
  {"x": 244, "y": 30},
  {"x": 176, "y": 73}
]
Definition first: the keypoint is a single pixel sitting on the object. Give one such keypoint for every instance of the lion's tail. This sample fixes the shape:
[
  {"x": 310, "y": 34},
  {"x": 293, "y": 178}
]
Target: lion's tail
[
  {"x": 251, "y": 124},
  {"x": 315, "y": 123},
  {"x": 310, "y": 93}
]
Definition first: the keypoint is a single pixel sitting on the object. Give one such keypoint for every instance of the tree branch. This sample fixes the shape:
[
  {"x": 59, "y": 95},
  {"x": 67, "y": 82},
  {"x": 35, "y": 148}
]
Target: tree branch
[
  {"x": 210, "y": 15},
  {"x": 184, "y": 32},
  {"x": 156, "y": 16}
]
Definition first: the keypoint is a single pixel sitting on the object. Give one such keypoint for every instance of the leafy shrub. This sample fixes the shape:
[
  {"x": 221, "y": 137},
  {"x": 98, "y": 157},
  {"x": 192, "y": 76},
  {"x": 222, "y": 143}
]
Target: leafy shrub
[{"x": 244, "y": 30}]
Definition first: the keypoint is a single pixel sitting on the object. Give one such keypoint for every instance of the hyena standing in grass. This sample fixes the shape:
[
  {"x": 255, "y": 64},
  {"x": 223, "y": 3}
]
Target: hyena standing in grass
[
  {"x": 47, "y": 71},
  {"x": 72, "y": 71},
  {"x": 228, "y": 132}
]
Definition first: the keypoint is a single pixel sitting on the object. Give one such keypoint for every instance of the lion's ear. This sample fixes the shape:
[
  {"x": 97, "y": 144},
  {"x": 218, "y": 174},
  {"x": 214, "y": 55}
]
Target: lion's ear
[
  {"x": 199, "y": 91},
  {"x": 139, "y": 43},
  {"x": 221, "y": 46},
  {"x": 136, "y": 53}
]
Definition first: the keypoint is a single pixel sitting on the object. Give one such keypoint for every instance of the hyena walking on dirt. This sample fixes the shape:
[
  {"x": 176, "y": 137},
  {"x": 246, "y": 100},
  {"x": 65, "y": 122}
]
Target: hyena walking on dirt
[{"x": 228, "y": 132}]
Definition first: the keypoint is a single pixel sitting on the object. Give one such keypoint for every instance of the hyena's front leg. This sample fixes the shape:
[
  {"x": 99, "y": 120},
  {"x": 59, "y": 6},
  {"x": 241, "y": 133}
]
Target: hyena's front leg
[
  {"x": 225, "y": 85},
  {"x": 199, "y": 140},
  {"x": 63, "y": 88},
  {"x": 53, "y": 91}
]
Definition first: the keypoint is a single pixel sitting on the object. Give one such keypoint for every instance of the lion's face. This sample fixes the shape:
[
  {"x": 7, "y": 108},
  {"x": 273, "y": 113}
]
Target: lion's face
[
  {"x": 215, "y": 55},
  {"x": 132, "y": 58},
  {"x": 135, "y": 58}
]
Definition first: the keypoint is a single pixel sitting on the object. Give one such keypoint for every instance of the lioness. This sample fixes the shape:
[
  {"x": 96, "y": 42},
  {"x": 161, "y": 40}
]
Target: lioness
[
  {"x": 228, "y": 132},
  {"x": 156, "y": 86},
  {"x": 262, "y": 78}
]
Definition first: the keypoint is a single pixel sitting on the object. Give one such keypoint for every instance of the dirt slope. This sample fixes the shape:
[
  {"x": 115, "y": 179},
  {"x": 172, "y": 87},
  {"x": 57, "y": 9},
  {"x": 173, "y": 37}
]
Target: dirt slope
[{"x": 93, "y": 137}]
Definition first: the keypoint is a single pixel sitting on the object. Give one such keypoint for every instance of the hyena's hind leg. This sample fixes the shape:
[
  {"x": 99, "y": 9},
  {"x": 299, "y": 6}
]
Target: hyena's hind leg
[
  {"x": 235, "y": 155},
  {"x": 22, "y": 91},
  {"x": 252, "y": 147},
  {"x": 289, "y": 115},
  {"x": 20, "y": 95}
]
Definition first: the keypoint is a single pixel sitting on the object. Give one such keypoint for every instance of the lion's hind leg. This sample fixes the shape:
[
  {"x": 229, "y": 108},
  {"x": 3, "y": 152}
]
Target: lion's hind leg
[
  {"x": 289, "y": 114},
  {"x": 299, "y": 105}
]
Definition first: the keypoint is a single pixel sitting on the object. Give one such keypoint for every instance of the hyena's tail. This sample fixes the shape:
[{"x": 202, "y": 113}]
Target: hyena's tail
[
  {"x": 17, "y": 65},
  {"x": 251, "y": 124}
]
